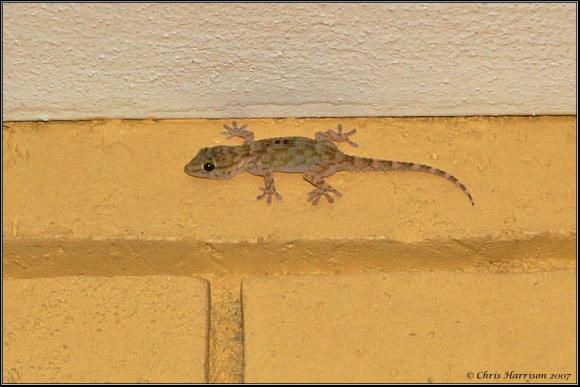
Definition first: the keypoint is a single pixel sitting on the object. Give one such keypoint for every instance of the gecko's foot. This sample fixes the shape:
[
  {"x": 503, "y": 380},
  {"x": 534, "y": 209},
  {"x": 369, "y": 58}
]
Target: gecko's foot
[
  {"x": 315, "y": 195},
  {"x": 268, "y": 192},
  {"x": 233, "y": 131},
  {"x": 342, "y": 137}
]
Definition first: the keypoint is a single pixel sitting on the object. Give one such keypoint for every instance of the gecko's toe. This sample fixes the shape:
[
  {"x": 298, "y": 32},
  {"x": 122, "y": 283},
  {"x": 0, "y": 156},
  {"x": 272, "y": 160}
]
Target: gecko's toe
[
  {"x": 315, "y": 195},
  {"x": 314, "y": 200},
  {"x": 268, "y": 193}
]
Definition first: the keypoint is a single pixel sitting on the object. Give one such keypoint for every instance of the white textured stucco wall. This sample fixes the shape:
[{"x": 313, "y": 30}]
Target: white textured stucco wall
[{"x": 74, "y": 61}]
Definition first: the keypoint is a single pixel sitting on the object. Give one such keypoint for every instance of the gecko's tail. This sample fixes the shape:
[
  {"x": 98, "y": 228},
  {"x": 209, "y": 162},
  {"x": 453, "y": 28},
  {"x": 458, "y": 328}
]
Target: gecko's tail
[{"x": 355, "y": 164}]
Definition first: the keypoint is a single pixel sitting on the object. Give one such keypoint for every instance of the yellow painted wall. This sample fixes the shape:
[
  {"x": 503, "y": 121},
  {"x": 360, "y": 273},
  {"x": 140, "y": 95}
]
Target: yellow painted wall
[{"x": 100, "y": 218}]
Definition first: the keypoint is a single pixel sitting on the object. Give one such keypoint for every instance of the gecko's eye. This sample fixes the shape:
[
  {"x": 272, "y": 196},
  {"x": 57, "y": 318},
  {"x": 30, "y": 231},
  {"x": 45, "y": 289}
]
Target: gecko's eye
[{"x": 208, "y": 167}]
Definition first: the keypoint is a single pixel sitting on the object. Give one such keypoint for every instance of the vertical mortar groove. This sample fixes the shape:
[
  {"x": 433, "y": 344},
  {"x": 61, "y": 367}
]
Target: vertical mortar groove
[{"x": 225, "y": 341}]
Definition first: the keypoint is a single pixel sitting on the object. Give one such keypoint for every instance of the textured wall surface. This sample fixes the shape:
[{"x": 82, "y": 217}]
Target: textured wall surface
[
  {"x": 99, "y": 207},
  {"x": 72, "y": 61}
]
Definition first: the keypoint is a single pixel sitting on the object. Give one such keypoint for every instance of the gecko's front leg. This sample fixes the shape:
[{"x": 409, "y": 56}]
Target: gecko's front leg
[
  {"x": 269, "y": 188},
  {"x": 234, "y": 131},
  {"x": 322, "y": 188}
]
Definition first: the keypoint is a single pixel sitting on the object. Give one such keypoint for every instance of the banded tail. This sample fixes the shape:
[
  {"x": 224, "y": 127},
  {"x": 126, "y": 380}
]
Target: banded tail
[{"x": 362, "y": 164}]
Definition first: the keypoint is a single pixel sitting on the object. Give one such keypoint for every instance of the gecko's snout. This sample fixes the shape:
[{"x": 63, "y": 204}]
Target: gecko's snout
[{"x": 188, "y": 169}]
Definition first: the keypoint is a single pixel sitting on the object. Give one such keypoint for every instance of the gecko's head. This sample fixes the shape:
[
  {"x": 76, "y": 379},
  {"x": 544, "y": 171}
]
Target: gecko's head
[{"x": 218, "y": 162}]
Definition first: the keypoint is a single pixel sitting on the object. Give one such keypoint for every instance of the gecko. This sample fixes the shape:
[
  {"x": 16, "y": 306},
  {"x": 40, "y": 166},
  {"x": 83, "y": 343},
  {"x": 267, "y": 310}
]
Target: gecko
[{"x": 315, "y": 158}]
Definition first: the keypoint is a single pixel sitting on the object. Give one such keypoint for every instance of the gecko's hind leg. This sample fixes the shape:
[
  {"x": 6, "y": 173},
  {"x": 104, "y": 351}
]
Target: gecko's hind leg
[
  {"x": 234, "y": 131},
  {"x": 269, "y": 189},
  {"x": 322, "y": 189},
  {"x": 331, "y": 135}
]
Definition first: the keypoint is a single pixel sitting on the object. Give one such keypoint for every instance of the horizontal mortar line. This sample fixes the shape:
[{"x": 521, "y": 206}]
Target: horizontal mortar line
[
  {"x": 146, "y": 118},
  {"x": 33, "y": 258}
]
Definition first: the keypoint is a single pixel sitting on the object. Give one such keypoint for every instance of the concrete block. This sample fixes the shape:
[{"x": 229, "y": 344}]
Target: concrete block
[
  {"x": 96, "y": 329},
  {"x": 411, "y": 327}
]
